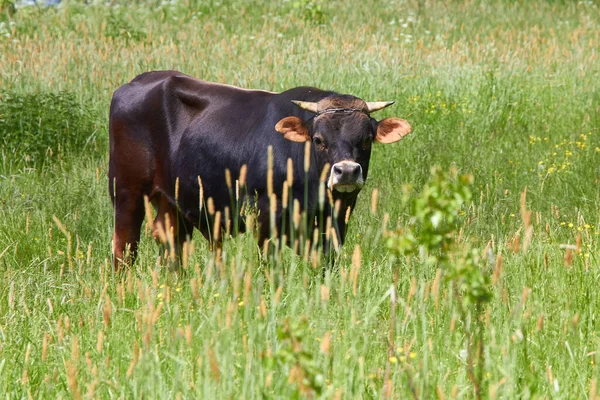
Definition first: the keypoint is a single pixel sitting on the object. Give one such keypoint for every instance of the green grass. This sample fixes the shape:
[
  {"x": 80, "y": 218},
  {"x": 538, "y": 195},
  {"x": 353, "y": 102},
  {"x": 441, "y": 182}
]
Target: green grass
[{"x": 505, "y": 90}]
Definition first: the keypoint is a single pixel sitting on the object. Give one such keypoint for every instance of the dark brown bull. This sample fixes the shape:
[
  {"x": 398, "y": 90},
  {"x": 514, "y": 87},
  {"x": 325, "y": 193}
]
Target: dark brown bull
[{"x": 169, "y": 131}]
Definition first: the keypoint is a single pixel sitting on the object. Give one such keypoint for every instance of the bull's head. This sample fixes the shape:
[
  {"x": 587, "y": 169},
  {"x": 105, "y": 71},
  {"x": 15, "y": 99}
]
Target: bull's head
[{"x": 342, "y": 132}]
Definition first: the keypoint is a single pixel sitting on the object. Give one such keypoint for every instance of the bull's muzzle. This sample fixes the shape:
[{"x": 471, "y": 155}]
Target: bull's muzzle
[{"x": 346, "y": 177}]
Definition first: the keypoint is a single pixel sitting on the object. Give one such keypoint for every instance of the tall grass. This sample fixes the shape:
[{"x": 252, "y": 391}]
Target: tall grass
[{"x": 504, "y": 90}]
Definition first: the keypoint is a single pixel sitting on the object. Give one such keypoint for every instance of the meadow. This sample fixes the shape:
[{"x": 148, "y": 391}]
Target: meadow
[{"x": 498, "y": 300}]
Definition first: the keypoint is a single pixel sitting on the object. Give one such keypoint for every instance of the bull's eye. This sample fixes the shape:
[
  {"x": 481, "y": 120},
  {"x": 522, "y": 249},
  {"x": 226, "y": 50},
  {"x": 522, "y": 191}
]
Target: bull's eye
[
  {"x": 319, "y": 143},
  {"x": 366, "y": 143}
]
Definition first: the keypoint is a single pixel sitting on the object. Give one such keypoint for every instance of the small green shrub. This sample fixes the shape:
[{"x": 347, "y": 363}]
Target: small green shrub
[
  {"x": 35, "y": 128},
  {"x": 430, "y": 236},
  {"x": 119, "y": 27},
  {"x": 309, "y": 10}
]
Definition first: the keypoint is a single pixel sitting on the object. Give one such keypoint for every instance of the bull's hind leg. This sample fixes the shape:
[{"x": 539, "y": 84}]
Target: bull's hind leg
[
  {"x": 129, "y": 215},
  {"x": 171, "y": 231}
]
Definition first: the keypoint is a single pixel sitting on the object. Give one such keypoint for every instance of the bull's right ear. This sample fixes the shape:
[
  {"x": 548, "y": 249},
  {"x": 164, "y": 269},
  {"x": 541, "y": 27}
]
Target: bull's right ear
[{"x": 294, "y": 129}]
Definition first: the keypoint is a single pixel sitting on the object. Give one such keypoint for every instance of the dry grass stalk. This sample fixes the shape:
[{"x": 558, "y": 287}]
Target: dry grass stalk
[
  {"x": 336, "y": 208},
  {"x": 314, "y": 257},
  {"x": 454, "y": 391},
  {"x": 540, "y": 323},
  {"x": 201, "y": 195},
  {"x": 60, "y": 225},
  {"x": 278, "y": 293},
  {"x": 194, "y": 286},
  {"x": 374, "y": 199},
  {"x": 516, "y": 242},
  {"x": 27, "y": 353},
  {"x": 134, "y": 360},
  {"x": 263, "y": 307},
  {"x": 435, "y": 288},
  {"x": 217, "y": 227},
  {"x": 296, "y": 215},
  {"x": 50, "y": 307},
  {"x": 307, "y": 157},
  {"x": 290, "y": 172},
  {"x": 59, "y": 330},
  {"x": 67, "y": 324},
  {"x": 214, "y": 365},
  {"x": 243, "y": 174},
  {"x": 568, "y": 259},
  {"x": 227, "y": 222},
  {"x": 121, "y": 292},
  {"x": 385, "y": 222},
  {"x": 247, "y": 286},
  {"x": 524, "y": 295},
  {"x": 272, "y": 213},
  {"x": 185, "y": 256},
  {"x": 326, "y": 343},
  {"x": 154, "y": 276},
  {"x": 440, "y": 393},
  {"x": 354, "y": 271},
  {"x": 229, "y": 314},
  {"x": 72, "y": 380},
  {"x": 88, "y": 259},
  {"x": 526, "y": 217},
  {"x": 107, "y": 311},
  {"x": 45, "y": 343},
  {"x": 285, "y": 195},
  {"x": 325, "y": 173},
  {"x": 188, "y": 335},
  {"x": 325, "y": 293},
  {"x": 328, "y": 227},
  {"x": 297, "y": 376},
  {"x": 321, "y": 195},
  {"x": 170, "y": 231},
  {"x": 497, "y": 269},
  {"x": 334, "y": 239},
  {"x": 228, "y": 179},
  {"x": 11, "y": 296},
  {"x": 210, "y": 205},
  {"x": 100, "y": 341}
]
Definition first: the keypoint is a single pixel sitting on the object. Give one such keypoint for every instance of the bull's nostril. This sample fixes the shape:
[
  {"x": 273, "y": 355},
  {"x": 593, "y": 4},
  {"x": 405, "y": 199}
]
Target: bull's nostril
[
  {"x": 337, "y": 170},
  {"x": 355, "y": 171}
]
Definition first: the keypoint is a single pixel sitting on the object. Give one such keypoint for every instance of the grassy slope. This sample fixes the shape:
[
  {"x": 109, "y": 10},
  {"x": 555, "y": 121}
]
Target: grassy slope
[{"x": 505, "y": 90}]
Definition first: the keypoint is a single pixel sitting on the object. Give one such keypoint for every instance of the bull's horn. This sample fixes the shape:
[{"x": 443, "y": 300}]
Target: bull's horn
[
  {"x": 306, "y": 105},
  {"x": 378, "y": 105}
]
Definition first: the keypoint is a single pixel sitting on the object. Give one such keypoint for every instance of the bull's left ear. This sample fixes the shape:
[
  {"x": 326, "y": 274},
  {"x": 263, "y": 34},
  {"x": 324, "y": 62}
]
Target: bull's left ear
[
  {"x": 391, "y": 130},
  {"x": 294, "y": 129}
]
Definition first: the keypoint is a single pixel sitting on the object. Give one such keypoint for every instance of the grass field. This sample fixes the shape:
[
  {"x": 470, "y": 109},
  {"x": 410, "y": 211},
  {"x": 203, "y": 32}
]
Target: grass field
[{"x": 506, "y": 91}]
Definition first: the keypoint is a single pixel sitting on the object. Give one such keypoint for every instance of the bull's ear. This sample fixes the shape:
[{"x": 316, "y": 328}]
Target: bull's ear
[
  {"x": 391, "y": 130},
  {"x": 294, "y": 129}
]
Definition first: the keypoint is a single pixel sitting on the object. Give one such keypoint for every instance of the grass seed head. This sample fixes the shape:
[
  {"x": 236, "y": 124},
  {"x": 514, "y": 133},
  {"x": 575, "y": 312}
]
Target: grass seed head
[
  {"x": 374, "y": 198},
  {"x": 307, "y": 157},
  {"x": 290, "y": 172},
  {"x": 243, "y": 174}
]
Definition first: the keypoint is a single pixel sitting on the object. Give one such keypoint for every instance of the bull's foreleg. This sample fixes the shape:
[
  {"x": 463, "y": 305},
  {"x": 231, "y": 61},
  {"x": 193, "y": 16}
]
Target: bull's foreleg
[{"x": 129, "y": 215}]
